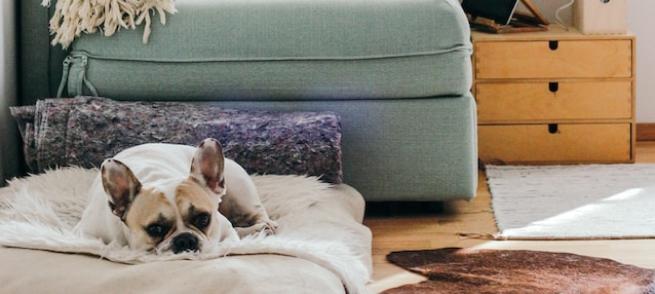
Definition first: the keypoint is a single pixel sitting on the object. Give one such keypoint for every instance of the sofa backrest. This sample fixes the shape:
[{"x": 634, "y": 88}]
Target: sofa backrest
[{"x": 40, "y": 66}]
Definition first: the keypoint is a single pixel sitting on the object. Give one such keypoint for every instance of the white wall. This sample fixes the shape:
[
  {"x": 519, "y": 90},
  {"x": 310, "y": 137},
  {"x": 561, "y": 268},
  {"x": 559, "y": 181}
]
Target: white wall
[
  {"x": 7, "y": 87},
  {"x": 7, "y": 49},
  {"x": 642, "y": 23}
]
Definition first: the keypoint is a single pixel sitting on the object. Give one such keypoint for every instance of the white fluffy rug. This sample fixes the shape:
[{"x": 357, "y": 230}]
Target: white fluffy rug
[
  {"x": 574, "y": 202},
  {"x": 39, "y": 212}
]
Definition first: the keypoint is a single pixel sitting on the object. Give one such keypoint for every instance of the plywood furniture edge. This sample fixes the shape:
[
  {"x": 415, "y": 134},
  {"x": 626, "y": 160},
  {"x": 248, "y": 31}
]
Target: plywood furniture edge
[
  {"x": 633, "y": 39},
  {"x": 554, "y": 33}
]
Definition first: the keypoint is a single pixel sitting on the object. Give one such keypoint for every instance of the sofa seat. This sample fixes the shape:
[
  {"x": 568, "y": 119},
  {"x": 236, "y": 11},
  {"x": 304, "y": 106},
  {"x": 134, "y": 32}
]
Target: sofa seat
[{"x": 283, "y": 50}]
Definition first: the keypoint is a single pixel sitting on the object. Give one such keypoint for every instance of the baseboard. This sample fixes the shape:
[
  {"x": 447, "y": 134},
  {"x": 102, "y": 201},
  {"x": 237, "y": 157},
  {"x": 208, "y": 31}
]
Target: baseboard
[{"x": 646, "y": 132}]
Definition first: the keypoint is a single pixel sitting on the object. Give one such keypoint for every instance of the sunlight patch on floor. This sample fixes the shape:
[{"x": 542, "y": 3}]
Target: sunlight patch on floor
[{"x": 625, "y": 195}]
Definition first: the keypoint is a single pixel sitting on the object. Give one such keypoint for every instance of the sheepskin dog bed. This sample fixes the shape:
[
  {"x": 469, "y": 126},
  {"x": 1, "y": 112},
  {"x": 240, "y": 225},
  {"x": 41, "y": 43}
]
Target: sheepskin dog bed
[{"x": 321, "y": 245}]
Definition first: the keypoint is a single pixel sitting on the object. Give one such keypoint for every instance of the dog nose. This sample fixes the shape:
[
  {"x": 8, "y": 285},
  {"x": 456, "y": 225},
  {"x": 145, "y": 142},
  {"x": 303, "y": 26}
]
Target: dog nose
[{"x": 185, "y": 242}]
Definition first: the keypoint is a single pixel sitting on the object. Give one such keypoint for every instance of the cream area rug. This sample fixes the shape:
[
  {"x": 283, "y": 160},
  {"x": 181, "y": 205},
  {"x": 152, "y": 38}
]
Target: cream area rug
[
  {"x": 319, "y": 224},
  {"x": 573, "y": 202}
]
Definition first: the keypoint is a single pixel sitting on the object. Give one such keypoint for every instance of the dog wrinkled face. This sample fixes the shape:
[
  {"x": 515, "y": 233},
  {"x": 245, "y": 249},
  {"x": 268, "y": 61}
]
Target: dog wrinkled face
[
  {"x": 178, "y": 215},
  {"x": 151, "y": 219}
]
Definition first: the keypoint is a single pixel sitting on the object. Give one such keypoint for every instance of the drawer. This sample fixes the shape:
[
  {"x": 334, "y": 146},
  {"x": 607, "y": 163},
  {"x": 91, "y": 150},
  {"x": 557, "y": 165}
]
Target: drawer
[
  {"x": 555, "y": 143},
  {"x": 530, "y": 101},
  {"x": 553, "y": 59}
]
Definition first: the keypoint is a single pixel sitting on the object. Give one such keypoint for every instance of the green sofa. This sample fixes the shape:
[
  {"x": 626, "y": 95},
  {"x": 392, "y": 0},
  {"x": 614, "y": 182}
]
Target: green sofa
[{"x": 397, "y": 72}]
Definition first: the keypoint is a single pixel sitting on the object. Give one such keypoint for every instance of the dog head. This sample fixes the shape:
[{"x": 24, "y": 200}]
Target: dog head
[{"x": 177, "y": 215}]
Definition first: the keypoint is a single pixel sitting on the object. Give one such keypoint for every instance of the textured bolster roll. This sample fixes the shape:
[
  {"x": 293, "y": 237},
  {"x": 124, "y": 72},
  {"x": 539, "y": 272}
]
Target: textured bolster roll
[{"x": 84, "y": 131}]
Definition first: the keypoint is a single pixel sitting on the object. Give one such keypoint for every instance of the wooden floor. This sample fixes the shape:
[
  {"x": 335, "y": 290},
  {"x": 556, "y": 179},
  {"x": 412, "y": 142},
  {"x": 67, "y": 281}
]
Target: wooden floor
[{"x": 438, "y": 230}]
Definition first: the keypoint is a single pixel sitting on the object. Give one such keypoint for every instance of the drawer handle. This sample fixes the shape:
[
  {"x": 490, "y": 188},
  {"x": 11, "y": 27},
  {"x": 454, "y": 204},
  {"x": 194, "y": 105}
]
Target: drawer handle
[
  {"x": 553, "y": 45},
  {"x": 553, "y": 86},
  {"x": 553, "y": 128}
]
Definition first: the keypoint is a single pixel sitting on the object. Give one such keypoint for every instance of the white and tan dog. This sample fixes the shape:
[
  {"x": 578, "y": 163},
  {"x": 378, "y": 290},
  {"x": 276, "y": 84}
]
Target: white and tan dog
[{"x": 167, "y": 197}]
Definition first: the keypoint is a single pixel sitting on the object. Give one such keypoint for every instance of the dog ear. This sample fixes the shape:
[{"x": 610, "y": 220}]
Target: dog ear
[
  {"x": 120, "y": 184},
  {"x": 208, "y": 164}
]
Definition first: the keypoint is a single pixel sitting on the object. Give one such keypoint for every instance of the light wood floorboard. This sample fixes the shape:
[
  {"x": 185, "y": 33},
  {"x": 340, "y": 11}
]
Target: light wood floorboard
[{"x": 440, "y": 230}]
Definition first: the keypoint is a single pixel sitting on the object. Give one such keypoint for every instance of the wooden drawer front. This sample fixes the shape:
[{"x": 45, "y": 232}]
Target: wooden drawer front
[
  {"x": 567, "y": 59},
  {"x": 554, "y": 101},
  {"x": 543, "y": 144}
]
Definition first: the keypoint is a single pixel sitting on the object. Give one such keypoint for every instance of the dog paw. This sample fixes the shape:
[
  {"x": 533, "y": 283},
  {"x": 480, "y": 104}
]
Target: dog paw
[{"x": 269, "y": 227}]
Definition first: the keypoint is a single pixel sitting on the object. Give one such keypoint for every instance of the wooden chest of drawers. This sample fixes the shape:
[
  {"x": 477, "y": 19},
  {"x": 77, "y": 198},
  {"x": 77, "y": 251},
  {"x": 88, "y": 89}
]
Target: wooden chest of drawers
[{"x": 555, "y": 97}]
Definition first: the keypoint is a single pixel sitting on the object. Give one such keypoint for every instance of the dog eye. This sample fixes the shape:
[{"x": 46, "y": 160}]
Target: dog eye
[
  {"x": 201, "y": 221},
  {"x": 222, "y": 183},
  {"x": 156, "y": 230}
]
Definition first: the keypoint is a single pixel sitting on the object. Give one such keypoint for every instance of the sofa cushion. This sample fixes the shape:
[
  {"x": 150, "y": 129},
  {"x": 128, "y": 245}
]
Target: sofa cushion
[
  {"x": 400, "y": 149},
  {"x": 286, "y": 49}
]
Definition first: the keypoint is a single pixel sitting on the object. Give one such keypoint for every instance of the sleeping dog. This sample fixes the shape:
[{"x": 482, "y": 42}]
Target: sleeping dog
[{"x": 165, "y": 197}]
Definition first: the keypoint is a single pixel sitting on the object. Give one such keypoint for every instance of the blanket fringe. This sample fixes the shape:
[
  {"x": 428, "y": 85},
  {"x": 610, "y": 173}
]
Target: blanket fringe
[{"x": 71, "y": 18}]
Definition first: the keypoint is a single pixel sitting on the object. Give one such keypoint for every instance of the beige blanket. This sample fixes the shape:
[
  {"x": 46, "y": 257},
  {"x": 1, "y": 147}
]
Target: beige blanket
[
  {"x": 34, "y": 271},
  {"x": 321, "y": 247}
]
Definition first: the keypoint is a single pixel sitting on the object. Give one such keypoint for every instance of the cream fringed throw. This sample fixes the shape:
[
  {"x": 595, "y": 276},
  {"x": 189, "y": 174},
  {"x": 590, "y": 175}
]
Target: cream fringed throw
[{"x": 73, "y": 17}]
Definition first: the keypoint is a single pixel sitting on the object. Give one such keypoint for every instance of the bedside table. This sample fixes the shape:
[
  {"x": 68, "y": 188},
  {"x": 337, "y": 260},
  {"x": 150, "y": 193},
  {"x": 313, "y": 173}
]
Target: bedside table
[{"x": 555, "y": 97}]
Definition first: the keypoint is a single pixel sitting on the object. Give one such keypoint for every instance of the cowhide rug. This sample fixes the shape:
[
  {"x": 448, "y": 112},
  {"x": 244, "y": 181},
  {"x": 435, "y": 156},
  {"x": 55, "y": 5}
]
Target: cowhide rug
[{"x": 455, "y": 270}]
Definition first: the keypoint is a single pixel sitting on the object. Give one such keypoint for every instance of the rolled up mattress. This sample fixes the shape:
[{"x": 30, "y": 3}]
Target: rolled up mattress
[{"x": 83, "y": 131}]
